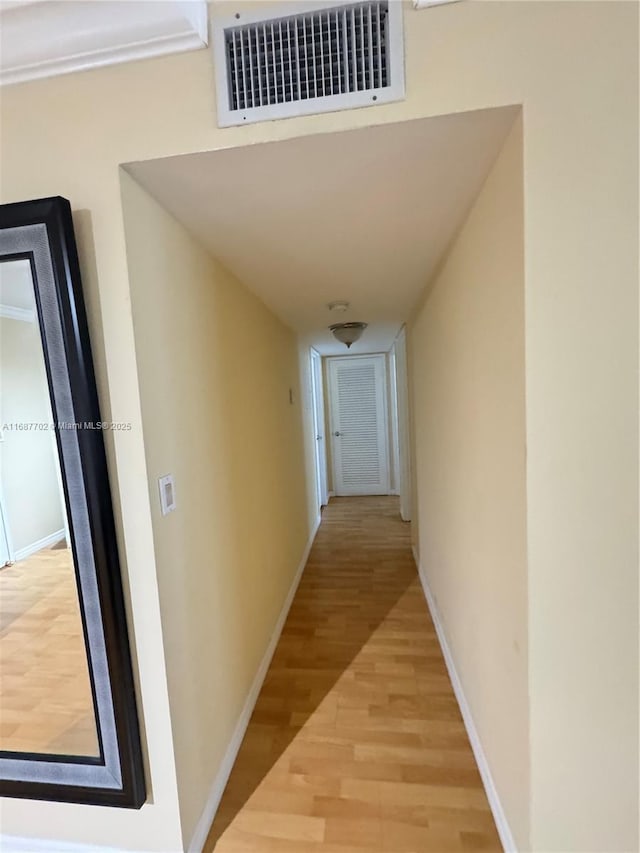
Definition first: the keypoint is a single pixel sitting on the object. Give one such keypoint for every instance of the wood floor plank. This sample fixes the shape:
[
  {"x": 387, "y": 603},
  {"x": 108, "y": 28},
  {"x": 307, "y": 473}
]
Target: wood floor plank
[
  {"x": 356, "y": 742},
  {"x": 46, "y": 704}
]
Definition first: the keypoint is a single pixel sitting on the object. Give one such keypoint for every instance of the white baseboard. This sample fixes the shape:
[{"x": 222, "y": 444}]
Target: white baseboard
[
  {"x": 15, "y": 844},
  {"x": 502, "y": 825},
  {"x": 45, "y": 542},
  {"x": 226, "y": 766}
]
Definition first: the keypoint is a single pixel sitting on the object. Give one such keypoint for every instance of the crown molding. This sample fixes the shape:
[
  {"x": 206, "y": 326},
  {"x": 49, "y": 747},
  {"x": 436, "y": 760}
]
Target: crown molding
[
  {"x": 45, "y": 38},
  {"x": 424, "y": 4},
  {"x": 10, "y": 312}
]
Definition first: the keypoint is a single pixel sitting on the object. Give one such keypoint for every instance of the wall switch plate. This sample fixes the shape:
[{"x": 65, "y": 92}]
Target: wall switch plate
[{"x": 167, "y": 494}]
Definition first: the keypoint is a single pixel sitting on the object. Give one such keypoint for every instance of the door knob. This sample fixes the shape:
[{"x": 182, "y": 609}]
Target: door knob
[{"x": 337, "y": 433}]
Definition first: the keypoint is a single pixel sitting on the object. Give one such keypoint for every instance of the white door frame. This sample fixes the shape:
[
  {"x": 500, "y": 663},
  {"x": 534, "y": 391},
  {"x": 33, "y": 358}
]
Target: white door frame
[
  {"x": 404, "y": 435},
  {"x": 7, "y": 556},
  {"x": 393, "y": 413},
  {"x": 63, "y": 502},
  {"x": 334, "y": 427},
  {"x": 319, "y": 438}
]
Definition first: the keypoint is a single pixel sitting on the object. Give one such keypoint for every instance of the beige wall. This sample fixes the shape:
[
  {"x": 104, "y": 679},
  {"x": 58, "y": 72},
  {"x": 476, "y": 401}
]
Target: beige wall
[
  {"x": 469, "y": 413},
  {"x": 215, "y": 370},
  {"x": 573, "y": 66},
  {"x": 28, "y": 464}
]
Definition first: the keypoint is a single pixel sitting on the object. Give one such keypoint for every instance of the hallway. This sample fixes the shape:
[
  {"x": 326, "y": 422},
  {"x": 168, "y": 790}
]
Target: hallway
[{"x": 356, "y": 742}]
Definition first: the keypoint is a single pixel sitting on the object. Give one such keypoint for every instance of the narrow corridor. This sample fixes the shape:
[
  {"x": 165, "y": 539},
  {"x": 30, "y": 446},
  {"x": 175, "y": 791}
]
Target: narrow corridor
[{"x": 356, "y": 742}]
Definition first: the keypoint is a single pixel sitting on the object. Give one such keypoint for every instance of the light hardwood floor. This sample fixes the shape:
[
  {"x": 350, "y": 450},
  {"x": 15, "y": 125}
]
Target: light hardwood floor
[
  {"x": 356, "y": 742},
  {"x": 45, "y": 694}
]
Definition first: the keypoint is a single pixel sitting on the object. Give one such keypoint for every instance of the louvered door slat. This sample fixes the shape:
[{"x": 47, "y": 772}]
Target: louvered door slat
[{"x": 357, "y": 388}]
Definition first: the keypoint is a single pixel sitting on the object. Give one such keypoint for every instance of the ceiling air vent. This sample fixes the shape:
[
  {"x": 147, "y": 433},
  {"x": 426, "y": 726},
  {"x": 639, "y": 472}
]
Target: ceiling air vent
[{"x": 317, "y": 60}]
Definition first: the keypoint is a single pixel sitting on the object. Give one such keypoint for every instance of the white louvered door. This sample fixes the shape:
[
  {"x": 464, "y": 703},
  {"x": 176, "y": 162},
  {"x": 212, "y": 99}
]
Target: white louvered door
[{"x": 359, "y": 432}]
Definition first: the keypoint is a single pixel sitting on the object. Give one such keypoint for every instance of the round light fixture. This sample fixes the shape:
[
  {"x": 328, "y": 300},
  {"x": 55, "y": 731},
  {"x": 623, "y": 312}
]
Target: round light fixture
[
  {"x": 348, "y": 333},
  {"x": 339, "y": 306}
]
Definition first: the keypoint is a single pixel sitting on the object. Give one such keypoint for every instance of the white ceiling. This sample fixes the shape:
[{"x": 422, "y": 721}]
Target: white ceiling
[{"x": 362, "y": 215}]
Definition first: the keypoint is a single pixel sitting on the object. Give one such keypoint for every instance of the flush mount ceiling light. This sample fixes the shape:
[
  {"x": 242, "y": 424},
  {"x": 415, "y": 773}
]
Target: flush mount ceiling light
[
  {"x": 348, "y": 333},
  {"x": 339, "y": 306}
]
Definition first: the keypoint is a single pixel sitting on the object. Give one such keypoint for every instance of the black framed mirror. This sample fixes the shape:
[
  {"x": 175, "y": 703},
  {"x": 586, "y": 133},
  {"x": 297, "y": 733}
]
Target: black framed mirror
[{"x": 67, "y": 702}]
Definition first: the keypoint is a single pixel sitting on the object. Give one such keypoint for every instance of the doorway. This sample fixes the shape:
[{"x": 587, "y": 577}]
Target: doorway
[
  {"x": 359, "y": 424},
  {"x": 401, "y": 384},
  {"x": 317, "y": 396},
  {"x": 6, "y": 551}
]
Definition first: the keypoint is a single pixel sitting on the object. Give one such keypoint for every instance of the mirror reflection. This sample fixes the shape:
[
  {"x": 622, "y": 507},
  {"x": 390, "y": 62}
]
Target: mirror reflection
[{"x": 46, "y": 703}]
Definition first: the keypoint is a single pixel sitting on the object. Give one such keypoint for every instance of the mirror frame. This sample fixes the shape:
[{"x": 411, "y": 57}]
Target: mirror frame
[{"x": 42, "y": 231}]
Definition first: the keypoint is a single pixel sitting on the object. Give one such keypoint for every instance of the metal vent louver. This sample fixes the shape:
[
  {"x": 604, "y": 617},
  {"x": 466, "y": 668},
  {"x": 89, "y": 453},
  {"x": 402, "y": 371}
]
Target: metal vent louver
[{"x": 318, "y": 60}]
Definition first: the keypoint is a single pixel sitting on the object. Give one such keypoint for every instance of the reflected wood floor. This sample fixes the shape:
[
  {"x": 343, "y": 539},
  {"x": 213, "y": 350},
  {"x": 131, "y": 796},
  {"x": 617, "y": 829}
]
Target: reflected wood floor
[
  {"x": 356, "y": 742},
  {"x": 45, "y": 693}
]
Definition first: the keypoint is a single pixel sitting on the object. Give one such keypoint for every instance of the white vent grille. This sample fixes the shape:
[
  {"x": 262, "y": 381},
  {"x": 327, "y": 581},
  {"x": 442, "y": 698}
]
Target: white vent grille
[{"x": 315, "y": 61}]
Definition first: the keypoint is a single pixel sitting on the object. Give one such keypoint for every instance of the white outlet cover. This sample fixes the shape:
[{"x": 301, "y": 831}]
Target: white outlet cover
[{"x": 167, "y": 494}]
